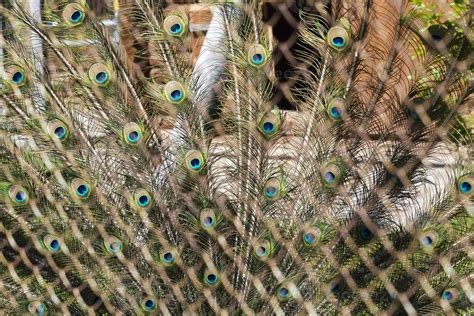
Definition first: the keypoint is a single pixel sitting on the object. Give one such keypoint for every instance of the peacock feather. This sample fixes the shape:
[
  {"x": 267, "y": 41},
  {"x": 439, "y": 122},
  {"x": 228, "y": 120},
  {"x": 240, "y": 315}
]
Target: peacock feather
[{"x": 358, "y": 201}]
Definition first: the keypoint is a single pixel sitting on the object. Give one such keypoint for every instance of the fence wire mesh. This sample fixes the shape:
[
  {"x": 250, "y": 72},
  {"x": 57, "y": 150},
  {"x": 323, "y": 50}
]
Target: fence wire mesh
[{"x": 155, "y": 171}]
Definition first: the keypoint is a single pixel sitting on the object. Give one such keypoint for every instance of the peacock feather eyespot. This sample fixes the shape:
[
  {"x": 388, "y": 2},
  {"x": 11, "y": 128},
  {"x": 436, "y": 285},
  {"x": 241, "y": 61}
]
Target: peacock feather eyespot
[
  {"x": 450, "y": 295},
  {"x": 175, "y": 25},
  {"x": 37, "y": 308},
  {"x": 58, "y": 129},
  {"x": 80, "y": 188},
  {"x": 428, "y": 239},
  {"x": 257, "y": 55},
  {"x": 73, "y": 14},
  {"x": 269, "y": 125},
  {"x": 337, "y": 109},
  {"x": 194, "y": 161},
  {"x": 283, "y": 293},
  {"x": 168, "y": 256},
  {"x": 16, "y": 76},
  {"x": 113, "y": 245},
  {"x": 132, "y": 133},
  {"x": 439, "y": 34},
  {"x": 311, "y": 236},
  {"x": 465, "y": 184},
  {"x": 331, "y": 174},
  {"x": 18, "y": 194},
  {"x": 336, "y": 285},
  {"x": 208, "y": 218},
  {"x": 416, "y": 107},
  {"x": 99, "y": 74},
  {"x": 211, "y": 278},
  {"x": 263, "y": 249},
  {"x": 273, "y": 189},
  {"x": 142, "y": 199},
  {"x": 338, "y": 37},
  {"x": 365, "y": 233},
  {"x": 148, "y": 304},
  {"x": 175, "y": 92},
  {"x": 52, "y": 243}
]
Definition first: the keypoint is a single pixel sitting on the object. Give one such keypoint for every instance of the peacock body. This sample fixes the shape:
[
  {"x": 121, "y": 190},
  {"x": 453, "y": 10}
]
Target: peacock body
[{"x": 359, "y": 202}]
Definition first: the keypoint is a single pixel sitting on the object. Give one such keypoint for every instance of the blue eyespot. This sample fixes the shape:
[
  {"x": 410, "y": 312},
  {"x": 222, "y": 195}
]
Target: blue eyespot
[
  {"x": 283, "y": 292},
  {"x": 268, "y": 127},
  {"x": 336, "y": 113},
  {"x": 365, "y": 233},
  {"x": 99, "y": 74},
  {"x": 450, "y": 295},
  {"x": 208, "y": 221},
  {"x": 57, "y": 129},
  {"x": 176, "y": 95},
  {"x": 148, "y": 304},
  {"x": 269, "y": 124},
  {"x": 176, "y": 28},
  {"x": 168, "y": 257},
  {"x": 338, "y": 37},
  {"x": 261, "y": 251},
  {"x": 174, "y": 92},
  {"x": 82, "y": 190},
  {"x": 134, "y": 136},
  {"x": 465, "y": 187},
  {"x": 257, "y": 55},
  {"x": 37, "y": 308},
  {"x": 76, "y": 16},
  {"x": 447, "y": 295},
  {"x": 338, "y": 41},
  {"x": 174, "y": 25},
  {"x": 18, "y": 77},
  {"x": 73, "y": 14},
  {"x": 309, "y": 238},
  {"x": 414, "y": 114},
  {"x": 55, "y": 245},
  {"x": 143, "y": 200},
  {"x": 101, "y": 77},
  {"x": 21, "y": 196},
  {"x": 195, "y": 163},
  {"x": 331, "y": 174},
  {"x": 336, "y": 109},
  {"x": 257, "y": 59},
  {"x": 60, "y": 132},
  {"x": 428, "y": 239},
  {"x": 52, "y": 243},
  {"x": 132, "y": 133},
  {"x": 18, "y": 194},
  {"x": 15, "y": 75},
  {"x": 271, "y": 191},
  {"x": 113, "y": 245},
  {"x": 336, "y": 285},
  {"x": 330, "y": 177},
  {"x": 211, "y": 278},
  {"x": 207, "y": 218}
]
